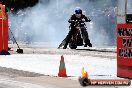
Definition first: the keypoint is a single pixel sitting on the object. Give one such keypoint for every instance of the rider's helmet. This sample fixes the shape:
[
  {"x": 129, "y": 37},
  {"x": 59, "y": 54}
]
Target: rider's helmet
[{"x": 78, "y": 11}]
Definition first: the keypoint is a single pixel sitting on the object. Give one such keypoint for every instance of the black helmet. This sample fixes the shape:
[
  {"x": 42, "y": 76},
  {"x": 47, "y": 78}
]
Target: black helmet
[{"x": 78, "y": 11}]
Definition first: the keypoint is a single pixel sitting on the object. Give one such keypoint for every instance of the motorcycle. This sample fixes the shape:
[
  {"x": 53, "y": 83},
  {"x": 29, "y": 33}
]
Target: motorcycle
[{"x": 76, "y": 39}]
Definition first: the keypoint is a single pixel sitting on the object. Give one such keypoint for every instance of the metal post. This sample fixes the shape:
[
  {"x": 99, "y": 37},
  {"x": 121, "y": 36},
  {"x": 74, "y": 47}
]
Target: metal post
[{"x": 121, "y": 11}]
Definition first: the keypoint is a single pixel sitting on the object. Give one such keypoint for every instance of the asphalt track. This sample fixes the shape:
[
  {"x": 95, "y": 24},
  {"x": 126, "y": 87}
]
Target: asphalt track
[{"x": 11, "y": 78}]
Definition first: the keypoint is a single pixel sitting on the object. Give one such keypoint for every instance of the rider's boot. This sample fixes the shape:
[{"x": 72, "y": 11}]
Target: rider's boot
[{"x": 90, "y": 45}]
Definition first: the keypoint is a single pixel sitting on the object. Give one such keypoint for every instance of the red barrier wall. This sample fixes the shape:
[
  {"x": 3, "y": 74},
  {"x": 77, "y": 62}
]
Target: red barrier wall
[
  {"x": 3, "y": 29},
  {"x": 124, "y": 50}
]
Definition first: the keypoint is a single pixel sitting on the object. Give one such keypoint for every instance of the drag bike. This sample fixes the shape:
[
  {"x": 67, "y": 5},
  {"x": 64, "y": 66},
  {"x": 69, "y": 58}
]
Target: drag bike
[{"x": 76, "y": 39}]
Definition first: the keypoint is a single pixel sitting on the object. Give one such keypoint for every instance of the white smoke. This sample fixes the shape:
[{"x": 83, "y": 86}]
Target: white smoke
[{"x": 48, "y": 22}]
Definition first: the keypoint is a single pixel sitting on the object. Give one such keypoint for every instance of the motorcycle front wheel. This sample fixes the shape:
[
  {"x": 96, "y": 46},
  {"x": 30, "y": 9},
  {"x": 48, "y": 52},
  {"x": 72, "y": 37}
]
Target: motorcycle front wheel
[{"x": 72, "y": 46}]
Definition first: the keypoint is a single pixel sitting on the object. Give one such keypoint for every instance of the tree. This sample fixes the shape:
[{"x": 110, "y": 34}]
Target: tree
[{"x": 19, "y": 4}]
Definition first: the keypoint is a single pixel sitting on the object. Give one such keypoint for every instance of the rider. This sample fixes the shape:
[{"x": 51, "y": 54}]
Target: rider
[{"x": 78, "y": 17}]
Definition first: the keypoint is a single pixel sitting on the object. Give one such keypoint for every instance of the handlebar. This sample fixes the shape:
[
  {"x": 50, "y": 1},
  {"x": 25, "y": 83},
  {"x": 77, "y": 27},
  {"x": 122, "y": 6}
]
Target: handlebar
[{"x": 82, "y": 21}]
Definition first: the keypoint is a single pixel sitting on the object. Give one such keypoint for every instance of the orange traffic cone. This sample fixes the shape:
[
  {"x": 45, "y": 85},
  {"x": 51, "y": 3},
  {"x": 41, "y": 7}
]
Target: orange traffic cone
[{"x": 62, "y": 69}]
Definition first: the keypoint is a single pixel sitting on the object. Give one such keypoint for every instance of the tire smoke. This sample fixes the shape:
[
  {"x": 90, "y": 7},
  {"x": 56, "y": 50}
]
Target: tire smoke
[{"x": 47, "y": 22}]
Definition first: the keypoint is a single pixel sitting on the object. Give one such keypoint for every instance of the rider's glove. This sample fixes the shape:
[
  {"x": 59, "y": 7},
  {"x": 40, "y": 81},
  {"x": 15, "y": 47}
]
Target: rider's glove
[{"x": 88, "y": 20}]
